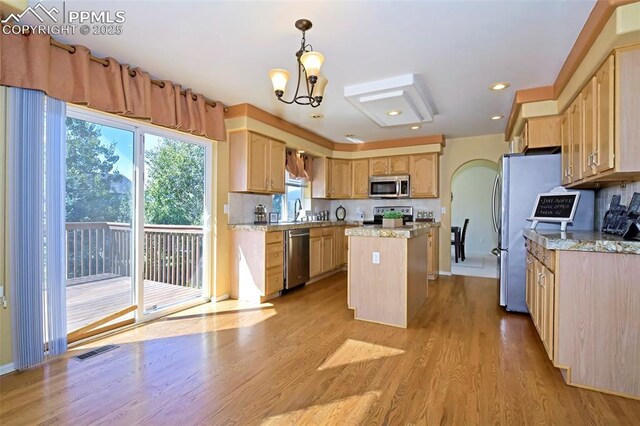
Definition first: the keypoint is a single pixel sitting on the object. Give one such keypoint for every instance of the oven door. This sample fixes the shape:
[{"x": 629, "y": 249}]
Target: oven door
[{"x": 387, "y": 188}]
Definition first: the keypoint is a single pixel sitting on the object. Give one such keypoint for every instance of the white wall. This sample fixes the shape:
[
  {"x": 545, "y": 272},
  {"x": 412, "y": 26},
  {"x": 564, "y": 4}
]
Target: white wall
[{"x": 471, "y": 187}]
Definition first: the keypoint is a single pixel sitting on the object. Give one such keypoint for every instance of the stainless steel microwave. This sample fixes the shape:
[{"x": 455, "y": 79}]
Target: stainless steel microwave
[{"x": 389, "y": 186}]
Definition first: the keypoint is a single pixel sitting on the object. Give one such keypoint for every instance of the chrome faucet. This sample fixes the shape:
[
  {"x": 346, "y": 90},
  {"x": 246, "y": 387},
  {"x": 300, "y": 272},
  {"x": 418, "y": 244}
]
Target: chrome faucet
[{"x": 297, "y": 206}]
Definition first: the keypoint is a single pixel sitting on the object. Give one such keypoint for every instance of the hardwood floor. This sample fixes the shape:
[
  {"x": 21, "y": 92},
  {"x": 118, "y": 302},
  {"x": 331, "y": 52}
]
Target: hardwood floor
[{"x": 302, "y": 359}]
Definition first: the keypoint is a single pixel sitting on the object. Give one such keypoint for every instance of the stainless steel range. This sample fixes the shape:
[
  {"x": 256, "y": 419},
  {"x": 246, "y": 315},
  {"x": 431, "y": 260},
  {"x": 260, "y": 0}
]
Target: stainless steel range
[{"x": 378, "y": 212}]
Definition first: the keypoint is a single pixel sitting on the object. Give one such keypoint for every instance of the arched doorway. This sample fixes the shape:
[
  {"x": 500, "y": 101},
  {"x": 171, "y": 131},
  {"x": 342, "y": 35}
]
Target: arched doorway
[{"x": 471, "y": 190}]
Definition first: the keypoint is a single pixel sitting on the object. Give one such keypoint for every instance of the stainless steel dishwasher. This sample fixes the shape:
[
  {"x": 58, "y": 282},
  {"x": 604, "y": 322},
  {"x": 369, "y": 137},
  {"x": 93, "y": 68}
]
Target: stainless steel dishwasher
[{"x": 296, "y": 265}]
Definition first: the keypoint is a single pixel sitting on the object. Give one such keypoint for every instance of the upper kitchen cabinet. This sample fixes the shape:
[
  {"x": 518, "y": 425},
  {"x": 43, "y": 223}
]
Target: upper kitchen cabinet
[
  {"x": 542, "y": 132},
  {"x": 424, "y": 171},
  {"x": 360, "y": 178},
  {"x": 331, "y": 178},
  {"x": 603, "y": 146},
  {"x": 256, "y": 163},
  {"x": 396, "y": 165}
]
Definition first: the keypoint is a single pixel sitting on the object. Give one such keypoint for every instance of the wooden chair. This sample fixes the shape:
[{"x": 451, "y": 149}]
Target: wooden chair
[{"x": 459, "y": 239}]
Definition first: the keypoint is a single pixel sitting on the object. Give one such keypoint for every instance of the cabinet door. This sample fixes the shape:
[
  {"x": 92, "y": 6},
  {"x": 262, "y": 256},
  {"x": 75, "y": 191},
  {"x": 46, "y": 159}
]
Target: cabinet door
[
  {"x": 399, "y": 165},
  {"x": 276, "y": 166},
  {"x": 548, "y": 287},
  {"x": 327, "y": 253},
  {"x": 575, "y": 112},
  {"x": 529, "y": 283},
  {"x": 360, "y": 178},
  {"x": 603, "y": 155},
  {"x": 433, "y": 262},
  {"x": 565, "y": 140},
  {"x": 423, "y": 169},
  {"x": 345, "y": 252},
  {"x": 274, "y": 281},
  {"x": 588, "y": 145},
  {"x": 258, "y": 163},
  {"x": 315, "y": 256},
  {"x": 525, "y": 137},
  {"x": 379, "y": 166},
  {"x": 338, "y": 241},
  {"x": 340, "y": 178}
]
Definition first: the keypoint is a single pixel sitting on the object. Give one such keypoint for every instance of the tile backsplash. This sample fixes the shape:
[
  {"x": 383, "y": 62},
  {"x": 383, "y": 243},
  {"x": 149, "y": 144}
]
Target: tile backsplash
[
  {"x": 367, "y": 205},
  {"x": 242, "y": 206},
  {"x": 603, "y": 198}
]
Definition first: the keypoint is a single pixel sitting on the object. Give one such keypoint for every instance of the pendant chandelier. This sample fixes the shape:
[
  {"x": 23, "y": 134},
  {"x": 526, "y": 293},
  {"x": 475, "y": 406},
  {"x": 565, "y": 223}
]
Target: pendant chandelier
[{"x": 309, "y": 63}]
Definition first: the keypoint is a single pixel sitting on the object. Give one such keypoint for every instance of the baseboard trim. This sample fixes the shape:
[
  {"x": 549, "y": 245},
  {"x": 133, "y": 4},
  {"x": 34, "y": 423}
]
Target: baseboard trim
[
  {"x": 222, "y": 297},
  {"x": 445, "y": 273},
  {"x": 7, "y": 368}
]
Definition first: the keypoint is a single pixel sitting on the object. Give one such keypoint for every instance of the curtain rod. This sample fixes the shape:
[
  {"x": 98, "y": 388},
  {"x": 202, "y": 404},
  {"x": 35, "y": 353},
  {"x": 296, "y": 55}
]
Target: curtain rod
[{"x": 132, "y": 73}]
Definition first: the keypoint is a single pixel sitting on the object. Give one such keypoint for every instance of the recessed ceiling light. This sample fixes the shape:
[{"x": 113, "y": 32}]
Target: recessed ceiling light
[
  {"x": 415, "y": 127},
  {"x": 394, "y": 112},
  {"x": 317, "y": 116},
  {"x": 497, "y": 117},
  {"x": 499, "y": 86}
]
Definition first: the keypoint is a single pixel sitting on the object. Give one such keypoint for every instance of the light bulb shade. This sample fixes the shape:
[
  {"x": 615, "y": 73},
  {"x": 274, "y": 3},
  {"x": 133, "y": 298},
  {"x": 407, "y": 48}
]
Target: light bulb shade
[
  {"x": 312, "y": 61},
  {"x": 318, "y": 89},
  {"x": 279, "y": 78}
]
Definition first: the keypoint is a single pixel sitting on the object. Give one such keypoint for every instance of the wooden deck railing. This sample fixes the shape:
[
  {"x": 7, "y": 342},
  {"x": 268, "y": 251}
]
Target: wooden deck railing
[{"x": 172, "y": 253}]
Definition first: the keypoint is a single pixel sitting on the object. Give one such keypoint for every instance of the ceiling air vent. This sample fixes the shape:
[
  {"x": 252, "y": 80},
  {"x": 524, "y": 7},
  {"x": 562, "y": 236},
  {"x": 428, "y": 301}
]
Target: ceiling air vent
[{"x": 397, "y": 101}]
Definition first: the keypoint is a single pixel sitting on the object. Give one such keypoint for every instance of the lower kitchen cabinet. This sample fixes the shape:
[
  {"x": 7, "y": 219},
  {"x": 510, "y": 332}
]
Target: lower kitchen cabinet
[
  {"x": 433, "y": 254},
  {"x": 315, "y": 255},
  {"x": 327, "y": 250},
  {"x": 328, "y": 260},
  {"x": 257, "y": 270},
  {"x": 586, "y": 308}
]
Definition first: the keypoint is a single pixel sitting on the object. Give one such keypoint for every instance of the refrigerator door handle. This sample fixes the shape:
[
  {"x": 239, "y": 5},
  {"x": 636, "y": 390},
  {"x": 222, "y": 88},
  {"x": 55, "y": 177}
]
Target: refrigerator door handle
[{"x": 494, "y": 217}]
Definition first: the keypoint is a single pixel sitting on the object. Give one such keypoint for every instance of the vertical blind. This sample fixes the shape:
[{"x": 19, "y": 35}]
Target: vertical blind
[{"x": 36, "y": 225}]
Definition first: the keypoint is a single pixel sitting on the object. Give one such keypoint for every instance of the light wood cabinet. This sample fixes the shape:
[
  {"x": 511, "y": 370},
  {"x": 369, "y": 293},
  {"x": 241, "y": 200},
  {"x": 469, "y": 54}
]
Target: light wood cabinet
[
  {"x": 257, "y": 270},
  {"x": 566, "y": 149},
  {"x": 322, "y": 250},
  {"x": 331, "y": 178},
  {"x": 340, "y": 249},
  {"x": 379, "y": 166},
  {"x": 433, "y": 261},
  {"x": 256, "y": 163},
  {"x": 399, "y": 165},
  {"x": 542, "y": 132},
  {"x": 540, "y": 293},
  {"x": 360, "y": 178},
  {"x": 340, "y": 180},
  {"x": 424, "y": 171},
  {"x": 396, "y": 165},
  {"x": 315, "y": 255},
  {"x": 604, "y": 142},
  {"x": 589, "y": 141},
  {"x": 603, "y": 125}
]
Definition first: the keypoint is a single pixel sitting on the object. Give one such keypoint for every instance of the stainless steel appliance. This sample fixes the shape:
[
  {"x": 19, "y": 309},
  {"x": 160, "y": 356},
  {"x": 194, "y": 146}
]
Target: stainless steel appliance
[
  {"x": 378, "y": 213},
  {"x": 389, "y": 186},
  {"x": 520, "y": 179},
  {"x": 296, "y": 265}
]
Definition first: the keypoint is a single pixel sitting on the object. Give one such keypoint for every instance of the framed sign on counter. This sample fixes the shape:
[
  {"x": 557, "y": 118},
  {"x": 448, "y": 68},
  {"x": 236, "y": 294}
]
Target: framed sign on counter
[{"x": 556, "y": 206}]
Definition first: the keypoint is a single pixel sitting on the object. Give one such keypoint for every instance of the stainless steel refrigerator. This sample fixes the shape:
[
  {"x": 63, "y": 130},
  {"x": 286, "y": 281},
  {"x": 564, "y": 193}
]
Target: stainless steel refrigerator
[{"x": 520, "y": 179}]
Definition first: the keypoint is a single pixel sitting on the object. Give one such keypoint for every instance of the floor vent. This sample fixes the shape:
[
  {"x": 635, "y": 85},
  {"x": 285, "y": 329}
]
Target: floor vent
[{"x": 96, "y": 352}]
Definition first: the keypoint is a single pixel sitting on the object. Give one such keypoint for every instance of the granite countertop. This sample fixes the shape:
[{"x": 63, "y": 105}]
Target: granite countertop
[
  {"x": 593, "y": 241},
  {"x": 285, "y": 226},
  {"x": 407, "y": 231}
]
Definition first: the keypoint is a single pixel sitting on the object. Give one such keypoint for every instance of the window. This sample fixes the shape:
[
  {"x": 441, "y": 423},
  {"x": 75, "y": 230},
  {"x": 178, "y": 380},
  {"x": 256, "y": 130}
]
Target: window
[{"x": 284, "y": 204}]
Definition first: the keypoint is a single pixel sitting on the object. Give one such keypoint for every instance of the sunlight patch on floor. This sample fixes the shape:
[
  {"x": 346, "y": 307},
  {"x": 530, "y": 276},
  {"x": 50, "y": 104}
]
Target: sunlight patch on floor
[
  {"x": 354, "y": 351},
  {"x": 350, "y": 410}
]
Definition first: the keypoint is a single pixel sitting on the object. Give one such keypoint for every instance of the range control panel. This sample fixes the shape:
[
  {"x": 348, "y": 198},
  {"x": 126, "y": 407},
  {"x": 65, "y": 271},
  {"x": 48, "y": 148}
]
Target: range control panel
[{"x": 406, "y": 211}]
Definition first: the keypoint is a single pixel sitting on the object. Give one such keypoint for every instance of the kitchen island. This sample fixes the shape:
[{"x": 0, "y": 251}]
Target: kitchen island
[{"x": 387, "y": 272}]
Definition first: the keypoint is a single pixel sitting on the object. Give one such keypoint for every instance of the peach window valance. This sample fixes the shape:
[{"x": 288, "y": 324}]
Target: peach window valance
[
  {"x": 33, "y": 62},
  {"x": 299, "y": 165}
]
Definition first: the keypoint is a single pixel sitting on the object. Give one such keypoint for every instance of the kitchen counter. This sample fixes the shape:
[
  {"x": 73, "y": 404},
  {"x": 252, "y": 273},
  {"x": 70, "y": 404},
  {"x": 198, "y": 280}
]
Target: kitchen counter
[
  {"x": 589, "y": 241},
  {"x": 411, "y": 230},
  {"x": 285, "y": 226}
]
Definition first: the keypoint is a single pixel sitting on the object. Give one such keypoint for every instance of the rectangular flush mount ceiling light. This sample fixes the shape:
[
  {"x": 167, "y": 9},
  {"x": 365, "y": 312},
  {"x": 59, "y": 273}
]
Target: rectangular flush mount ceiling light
[{"x": 397, "y": 101}]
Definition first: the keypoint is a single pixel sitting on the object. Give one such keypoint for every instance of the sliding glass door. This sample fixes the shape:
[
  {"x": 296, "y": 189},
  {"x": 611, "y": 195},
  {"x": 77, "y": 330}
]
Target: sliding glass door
[
  {"x": 99, "y": 217},
  {"x": 137, "y": 203},
  {"x": 174, "y": 215}
]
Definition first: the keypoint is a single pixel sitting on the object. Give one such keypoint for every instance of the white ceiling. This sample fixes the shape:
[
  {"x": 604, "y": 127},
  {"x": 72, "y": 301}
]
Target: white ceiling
[{"x": 224, "y": 50}]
